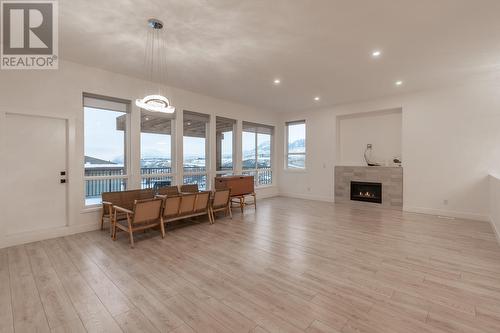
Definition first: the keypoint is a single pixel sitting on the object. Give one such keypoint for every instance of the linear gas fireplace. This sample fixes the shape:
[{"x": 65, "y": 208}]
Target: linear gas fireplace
[{"x": 364, "y": 191}]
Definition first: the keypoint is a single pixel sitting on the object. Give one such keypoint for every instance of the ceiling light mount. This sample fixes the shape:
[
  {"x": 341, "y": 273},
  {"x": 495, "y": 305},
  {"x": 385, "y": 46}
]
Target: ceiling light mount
[
  {"x": 376, "y": 53},
  {"x": 155, "y": 24}
]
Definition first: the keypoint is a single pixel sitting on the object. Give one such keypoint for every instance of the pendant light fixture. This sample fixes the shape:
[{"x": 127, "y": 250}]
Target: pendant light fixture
[{"x": 155, "y": 48}]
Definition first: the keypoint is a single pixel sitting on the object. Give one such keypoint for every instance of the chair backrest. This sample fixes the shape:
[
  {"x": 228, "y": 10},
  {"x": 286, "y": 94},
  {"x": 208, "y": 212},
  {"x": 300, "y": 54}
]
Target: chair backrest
[
  {"x": 221, "y": 198},
  {"x": 171, "y": 206},
  {"x": 126, "y": 199},
  {"x": 147, "y": 210},
  {"x": 187, "y": 204},
  {"x": 168, "y": 190},
  {"x": 189, "y": 188},
  {"x": 111, "y": 197},
  {"x": 202, "y": 200}
]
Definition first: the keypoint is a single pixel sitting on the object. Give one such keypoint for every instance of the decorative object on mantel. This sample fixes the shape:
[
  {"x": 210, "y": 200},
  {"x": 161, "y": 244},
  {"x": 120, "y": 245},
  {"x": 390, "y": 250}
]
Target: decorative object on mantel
[
  {"x": 155, "y": 45},
  {"x": 368, "y": 151},
  {"x": 397, "y": 161}
]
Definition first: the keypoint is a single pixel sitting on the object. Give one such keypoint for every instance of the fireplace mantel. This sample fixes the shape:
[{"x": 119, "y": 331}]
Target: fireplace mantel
[{"x": 390, "y": 177}]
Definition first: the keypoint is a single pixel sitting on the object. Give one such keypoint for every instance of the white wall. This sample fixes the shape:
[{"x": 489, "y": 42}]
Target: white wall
[
  {"x": 450, "y": 143},
  {"x": 381, "y": 129},
  {"x": 58, "y": 93}
]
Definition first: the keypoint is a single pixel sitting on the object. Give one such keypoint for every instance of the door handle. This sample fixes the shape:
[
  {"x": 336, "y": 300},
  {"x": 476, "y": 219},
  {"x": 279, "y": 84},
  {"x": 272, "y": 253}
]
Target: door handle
[{"x": 63, "y": 177}]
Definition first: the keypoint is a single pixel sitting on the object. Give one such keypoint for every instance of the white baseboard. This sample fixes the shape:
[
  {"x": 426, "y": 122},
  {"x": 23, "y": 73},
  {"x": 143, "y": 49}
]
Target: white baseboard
[
  {"x": 307, "y": 196},
  {"x": 447, "y": 213},
  {"x": 266, "y": 192},
  {"x": 38, "y": 235}
]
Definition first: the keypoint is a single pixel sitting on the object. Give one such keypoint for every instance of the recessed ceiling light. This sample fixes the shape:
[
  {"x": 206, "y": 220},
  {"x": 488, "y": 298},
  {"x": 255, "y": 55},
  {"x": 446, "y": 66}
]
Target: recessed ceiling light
[
  {"x": 277, "y": 81},
  {"x": 316, "y": 98},
  {"x": 376, "y": 53},
  {"x": 398, "y": 83}
]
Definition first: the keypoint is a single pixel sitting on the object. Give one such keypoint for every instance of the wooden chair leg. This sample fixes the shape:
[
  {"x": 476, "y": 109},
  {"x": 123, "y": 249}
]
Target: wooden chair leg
[
  {"x": 162, "y": 229},
  {"x": 114, "y": 230},
  {"x": 112, "y": 226},
  {"x": 242, "y": 203},
  {"x": 255, "y": 200},
  {"x": 230, "y": 212},
  {"x": 102, "y": 221},
  {"x": 130, "y": 232},
  {"x": 131, "y": 236}
]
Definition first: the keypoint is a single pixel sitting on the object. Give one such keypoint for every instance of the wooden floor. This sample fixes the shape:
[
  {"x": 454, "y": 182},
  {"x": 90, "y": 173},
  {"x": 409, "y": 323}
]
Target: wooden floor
[{"x": 292, "y": 266}]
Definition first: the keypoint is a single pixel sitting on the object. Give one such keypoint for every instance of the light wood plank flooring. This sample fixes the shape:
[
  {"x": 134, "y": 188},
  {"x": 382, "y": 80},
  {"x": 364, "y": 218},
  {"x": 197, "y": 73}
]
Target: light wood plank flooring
[{"x": 292, "y": 266}]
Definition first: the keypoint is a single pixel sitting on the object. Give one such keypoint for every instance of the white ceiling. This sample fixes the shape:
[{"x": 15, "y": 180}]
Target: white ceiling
[{"x": 234, "y": 49}]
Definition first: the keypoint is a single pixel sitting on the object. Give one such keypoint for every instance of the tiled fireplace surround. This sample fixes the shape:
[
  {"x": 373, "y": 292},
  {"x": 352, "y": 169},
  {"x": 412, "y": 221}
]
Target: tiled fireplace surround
[{"x": 390, "y": 177}]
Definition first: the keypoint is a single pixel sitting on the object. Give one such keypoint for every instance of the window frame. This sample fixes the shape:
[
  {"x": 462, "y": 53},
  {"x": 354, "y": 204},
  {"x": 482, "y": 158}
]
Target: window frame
[
  {"x": 257, "y": 171},
  {"x": 233, "y": 156},
  {"x": 172, "y": 174},
  {"x": 207, "y": 171},
  {"x": 107, "y": 104},
  {"x": 287, "y": 153}
]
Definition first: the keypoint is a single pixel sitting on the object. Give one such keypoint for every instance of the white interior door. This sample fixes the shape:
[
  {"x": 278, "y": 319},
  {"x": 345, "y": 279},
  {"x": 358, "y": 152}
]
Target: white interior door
[{"x": 36, "y": 199}]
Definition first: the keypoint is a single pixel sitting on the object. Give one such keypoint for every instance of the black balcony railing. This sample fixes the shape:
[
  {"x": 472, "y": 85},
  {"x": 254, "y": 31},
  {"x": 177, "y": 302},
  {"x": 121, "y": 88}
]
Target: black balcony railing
[
  {"x": 193, "y": 169},
  {"x": 155, "y": 182},
  {"x": 201, "y": 180},
  {"x": 94, "y": 187},
  {"x": 155, "y": 171},
  {"x": 193, "y": 175},
  {"x": 261, "y": 176}
]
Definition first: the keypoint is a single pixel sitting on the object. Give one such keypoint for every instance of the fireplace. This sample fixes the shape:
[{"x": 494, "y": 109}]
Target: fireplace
[{"x": 369, "y": 192}]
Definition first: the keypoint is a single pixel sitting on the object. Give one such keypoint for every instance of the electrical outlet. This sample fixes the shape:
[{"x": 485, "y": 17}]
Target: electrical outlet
[
  {"x": 369, "y": 146},
  {"x": 445, "y": 202}
]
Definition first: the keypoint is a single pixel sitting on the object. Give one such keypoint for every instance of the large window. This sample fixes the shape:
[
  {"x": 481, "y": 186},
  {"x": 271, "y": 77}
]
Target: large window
[
  {"x": 156, "y": 150},
  {"x": 256, "y": 150},
  {"x": 195, "y": 148},
  {"x": 105, "y": 131},
  {"x": 296, "y": 145},
  {"x": 224, "y": 140}
]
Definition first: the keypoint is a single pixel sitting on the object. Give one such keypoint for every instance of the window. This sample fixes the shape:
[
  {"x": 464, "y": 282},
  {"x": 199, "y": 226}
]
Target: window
[
  {"x": 296, "y": 145},
  {"x": 156, "y": 150},
  {"x": 224, "y": 140},
  {"x": 256, "y": 149},
  {"x": 105, "y": 132},
  {"x": 195, "y": 148}
]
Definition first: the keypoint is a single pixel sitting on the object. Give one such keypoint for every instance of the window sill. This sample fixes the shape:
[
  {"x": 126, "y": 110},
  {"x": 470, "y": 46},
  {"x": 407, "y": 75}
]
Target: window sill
[
  {"x": 264, "y": 186},
  {"x": 295, "y": 170},
  {"x": 91, "y": 209}
]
